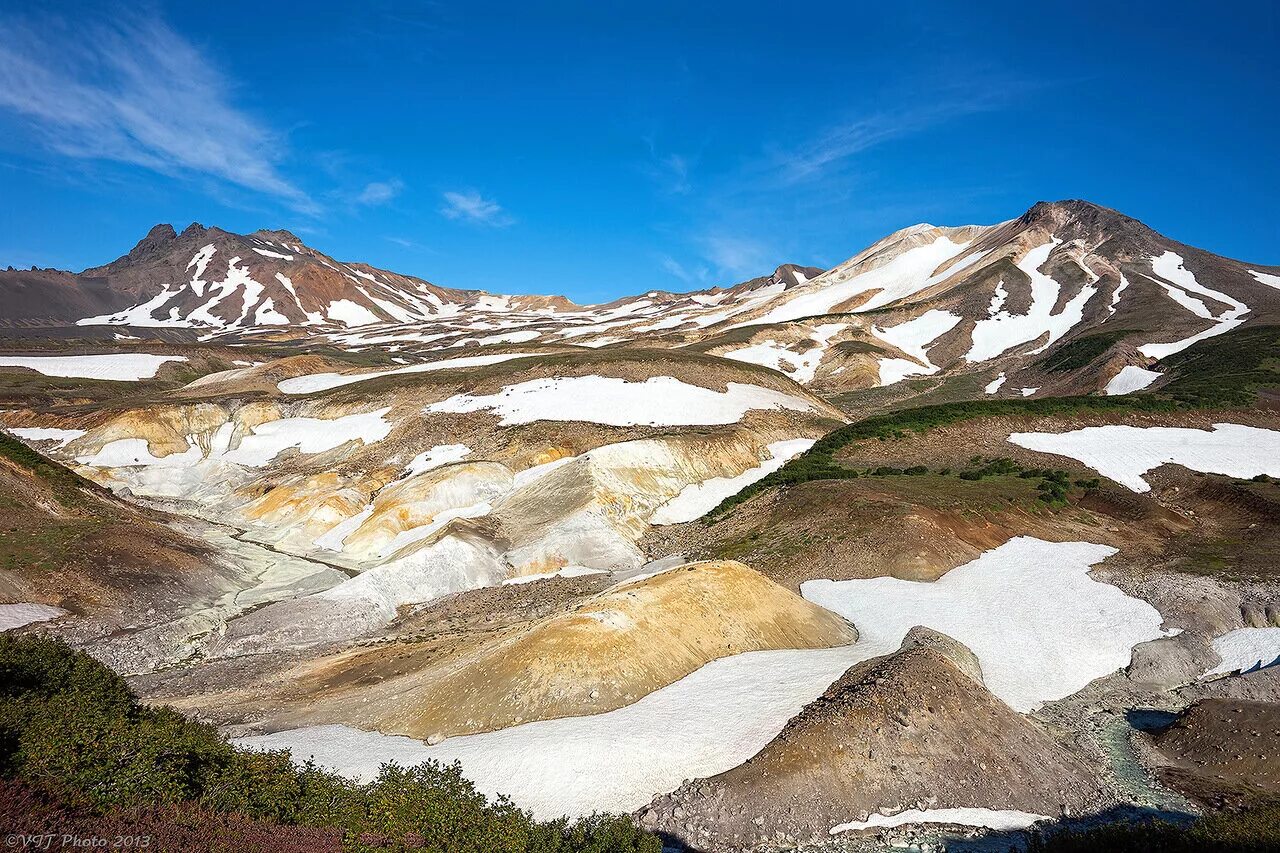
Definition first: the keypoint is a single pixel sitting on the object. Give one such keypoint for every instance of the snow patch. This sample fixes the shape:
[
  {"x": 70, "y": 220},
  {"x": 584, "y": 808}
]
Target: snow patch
[
  {"x": 16, "y": 615},
  {"x": 120, "y": 367},
  {"x": 1266, "y": 278},
  {"x": 62, "y": 436},
  {"x": 1125, "y": 453},
  {"x": 697, "y": 499},
  {"x": 1001, "y": 819},
  {"x": 1130, "y": 379},
  {"x": 1169, "y": 266},
  {"x": 315, "y": 382},
  {"x": 566, "y": 572},
  {"x": 441, "y": 454},
  {"x": 1246, "y": 649},
  {"x": 1040, "y": 626},
  {"x": 658, "y": 401},
  {"x": 1003, "y": 331},
  {"x": 270, "y": 254},
  {"x": 913, "y": 337}
]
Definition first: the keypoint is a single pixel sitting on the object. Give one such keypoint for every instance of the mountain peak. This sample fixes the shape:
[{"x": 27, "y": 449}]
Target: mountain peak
[
  {"x": 278, "y": 235},
  {"x": 157, "y": 238}
]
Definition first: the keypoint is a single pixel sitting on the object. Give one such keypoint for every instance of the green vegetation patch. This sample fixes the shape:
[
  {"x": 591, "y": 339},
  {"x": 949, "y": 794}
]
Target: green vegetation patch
[
  {"x": 1253, "y": 830},
  {"x": 1081, "y": 351},
  {"x": 819, "y": 463},
  {"x": 1225, "y": 371},
  {"x": 67, "y": 486}
]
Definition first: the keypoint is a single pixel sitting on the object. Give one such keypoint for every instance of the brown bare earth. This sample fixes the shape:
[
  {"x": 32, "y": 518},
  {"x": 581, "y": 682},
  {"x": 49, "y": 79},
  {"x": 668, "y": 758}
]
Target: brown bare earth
[
  {"x": 913, "y": 729},
  {"x": 1223, "y": 752}
]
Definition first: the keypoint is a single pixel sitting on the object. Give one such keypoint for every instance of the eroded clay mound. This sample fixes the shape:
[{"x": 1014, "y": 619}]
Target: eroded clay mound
[
  {"x": 915, "y": 729},
  {"x": 610, "y": 651}
]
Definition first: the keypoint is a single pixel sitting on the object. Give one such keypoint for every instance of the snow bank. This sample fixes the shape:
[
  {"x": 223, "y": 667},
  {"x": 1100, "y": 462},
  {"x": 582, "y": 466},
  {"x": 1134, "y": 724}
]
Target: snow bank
[
  {"x": 994, "y": 385},
  {"x": 16, "y": 615},
  {"x": 658, "y": 401},
  {"x": 1002, "y": 819},
  {"x": 1040, "y": 626},
  {"x": 122, "y": 367},
  {"x": 697, "y": 499},
  {"x": 1130, "y": 379},
  {"x": 1125, "y": 453},
  {"x": 314, "y": 382},
  {"x": 62, "y": 436},
  {"x": 1246, "y": 648}
]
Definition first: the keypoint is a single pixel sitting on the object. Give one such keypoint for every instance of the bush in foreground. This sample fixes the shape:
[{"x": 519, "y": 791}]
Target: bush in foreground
[{"x": 72, "y": 732}]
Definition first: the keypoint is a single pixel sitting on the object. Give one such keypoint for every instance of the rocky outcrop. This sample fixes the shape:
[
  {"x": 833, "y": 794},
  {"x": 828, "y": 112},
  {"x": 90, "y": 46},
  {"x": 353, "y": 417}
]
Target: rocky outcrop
[{"x": 914, "y": 729}]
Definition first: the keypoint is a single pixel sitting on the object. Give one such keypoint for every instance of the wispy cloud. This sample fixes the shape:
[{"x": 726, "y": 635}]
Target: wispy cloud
[
  {"x": 470, "y": 206},
  {"x": 669, "y": 172},
  {"x": 738, "y": 256},
  {"x": 834, "y": 146},
  {"x": 412, "y": 245},
  {"x": 379, "y": 192},
  {"x": 692, "y": 277},
  {"x": 135, "y": 91}
]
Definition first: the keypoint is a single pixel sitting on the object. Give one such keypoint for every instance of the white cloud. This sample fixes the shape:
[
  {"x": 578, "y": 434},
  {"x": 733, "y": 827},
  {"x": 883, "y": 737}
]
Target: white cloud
[
  {"x": 838, "y": 143},
  {"x": 737, "y": 255},
  {"x": 379, "y": 192},
  {"x": 696, "y": 276},
  {"x": 470, "y": 206},
  {"x": 134, "y": 91}
]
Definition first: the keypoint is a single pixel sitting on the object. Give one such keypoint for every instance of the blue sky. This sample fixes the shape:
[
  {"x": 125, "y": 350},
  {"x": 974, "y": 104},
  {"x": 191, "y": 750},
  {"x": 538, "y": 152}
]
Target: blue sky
[{"x": 600, "y": 149}]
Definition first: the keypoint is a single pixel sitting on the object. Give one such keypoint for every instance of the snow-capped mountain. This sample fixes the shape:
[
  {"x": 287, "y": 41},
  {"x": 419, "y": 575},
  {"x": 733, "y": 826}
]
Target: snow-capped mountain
[{"x": 924, "y": 300}]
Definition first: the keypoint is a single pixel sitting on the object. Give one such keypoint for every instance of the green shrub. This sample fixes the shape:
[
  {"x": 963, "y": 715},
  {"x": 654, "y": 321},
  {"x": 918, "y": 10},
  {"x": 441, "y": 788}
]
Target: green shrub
[
  {"x": 67, "y": 722},
  {"x": 1254, "y": 830}
]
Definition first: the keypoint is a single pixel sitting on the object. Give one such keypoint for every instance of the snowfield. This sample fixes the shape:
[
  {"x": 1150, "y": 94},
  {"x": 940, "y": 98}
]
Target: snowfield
[
  {"x": 16, "y": 615},
  {"x": 62, "y": 436},
  {"x": 658, "y": 401},
  {"x": 1003, "y": 331},
  {"x": 1041, "y": 627},
  {"x": 314, "y": 382},
  {"x": 1179, "y": 283},
  {"x": 1002, "y": 819},
  {"x": 1125, "y": 453},
  {"x": 1246, "y": 649},
  {"x": 913, "y": 337},
  {"x": 697, "y": 499},
  {"x": 121, "y": 367},
  {"x": 908, "y": 273}
]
